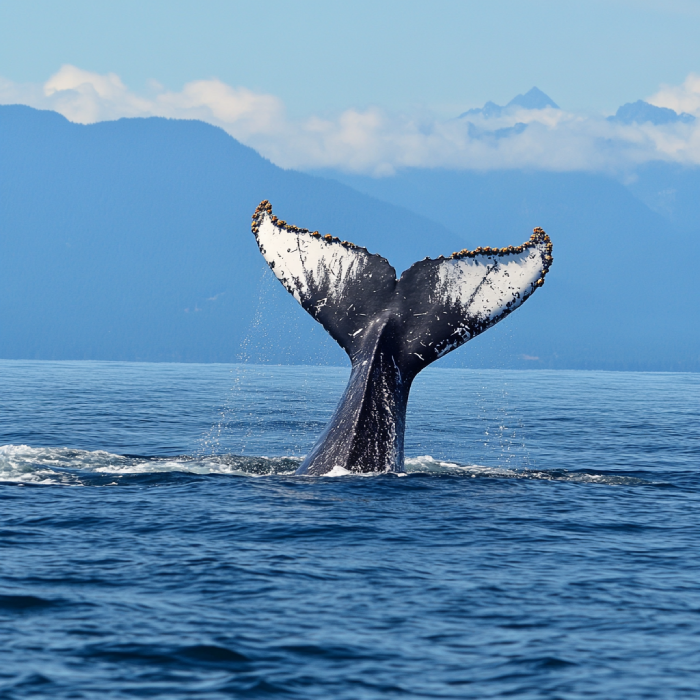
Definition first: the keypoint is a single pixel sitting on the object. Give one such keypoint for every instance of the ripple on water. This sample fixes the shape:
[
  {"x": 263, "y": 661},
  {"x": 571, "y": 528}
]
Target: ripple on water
[{"x": 542, "y": 544}]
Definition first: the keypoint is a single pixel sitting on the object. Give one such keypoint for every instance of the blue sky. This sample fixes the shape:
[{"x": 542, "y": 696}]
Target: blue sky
[
  {"x": 320, "y": 57},
  {"x": 372, "y": 87}
]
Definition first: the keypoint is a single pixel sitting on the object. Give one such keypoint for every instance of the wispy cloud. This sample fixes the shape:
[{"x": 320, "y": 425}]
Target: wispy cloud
[
  {"x": 680, "y": 98},
  {"x": 375, "y": 141}
]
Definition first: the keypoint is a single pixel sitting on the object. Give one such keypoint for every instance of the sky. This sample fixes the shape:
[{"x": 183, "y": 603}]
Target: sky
[{"x": 366, "y": 86}]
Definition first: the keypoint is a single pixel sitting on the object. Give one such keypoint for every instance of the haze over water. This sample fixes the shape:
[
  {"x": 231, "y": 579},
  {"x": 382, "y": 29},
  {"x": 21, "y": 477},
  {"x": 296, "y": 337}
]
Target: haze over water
[{"x": 155, "y": 543}]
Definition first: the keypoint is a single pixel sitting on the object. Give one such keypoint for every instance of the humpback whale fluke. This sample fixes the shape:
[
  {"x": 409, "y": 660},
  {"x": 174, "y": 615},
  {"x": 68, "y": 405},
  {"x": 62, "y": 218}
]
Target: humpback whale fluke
[{"x": 391, "y": 329}]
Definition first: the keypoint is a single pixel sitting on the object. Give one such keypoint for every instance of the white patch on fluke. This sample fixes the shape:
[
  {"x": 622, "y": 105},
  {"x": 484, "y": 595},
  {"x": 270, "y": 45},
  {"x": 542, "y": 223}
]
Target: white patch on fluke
[
  {"x": 302, "y": 261},
  {"x": 486, "y": 284}
]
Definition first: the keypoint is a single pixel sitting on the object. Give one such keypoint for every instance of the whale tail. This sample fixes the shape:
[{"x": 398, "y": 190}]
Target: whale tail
[
  {"x": 391, "y": 329},
  {"x": 436, "y": 305}
]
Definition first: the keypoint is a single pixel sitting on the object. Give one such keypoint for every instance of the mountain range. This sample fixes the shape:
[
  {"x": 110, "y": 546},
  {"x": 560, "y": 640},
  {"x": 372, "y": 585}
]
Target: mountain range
[
  {"x": 641, "y": 112},
  {"x": 532, "y": 99},
  {"x": 130, "y": 240}
]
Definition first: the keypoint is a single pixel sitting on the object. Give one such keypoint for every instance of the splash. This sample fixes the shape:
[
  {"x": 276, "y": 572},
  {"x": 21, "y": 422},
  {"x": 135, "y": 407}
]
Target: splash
[{"x": 63, "y": 466}]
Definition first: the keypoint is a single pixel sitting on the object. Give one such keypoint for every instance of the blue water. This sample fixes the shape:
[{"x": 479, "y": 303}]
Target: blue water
[{"x": 155, "y": 543}]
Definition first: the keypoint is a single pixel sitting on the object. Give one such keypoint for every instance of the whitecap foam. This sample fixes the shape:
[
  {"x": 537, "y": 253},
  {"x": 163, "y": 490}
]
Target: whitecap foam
[
  {"x": 429, "y": 465},
  {"x": 338, "y": 471},
  {"x": 66, "y": 466}
]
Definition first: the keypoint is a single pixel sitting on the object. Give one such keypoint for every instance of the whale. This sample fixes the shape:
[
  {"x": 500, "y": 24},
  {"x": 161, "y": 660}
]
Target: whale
[{"x": 391, "y": 328}]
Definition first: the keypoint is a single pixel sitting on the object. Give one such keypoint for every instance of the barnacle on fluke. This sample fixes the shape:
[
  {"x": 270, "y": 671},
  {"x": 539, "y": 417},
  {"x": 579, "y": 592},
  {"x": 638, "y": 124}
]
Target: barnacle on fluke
[
  {"x": 390, "y": 328},
  {"x": 266, "y": 207},
  {"x": 537, "y": 238}
]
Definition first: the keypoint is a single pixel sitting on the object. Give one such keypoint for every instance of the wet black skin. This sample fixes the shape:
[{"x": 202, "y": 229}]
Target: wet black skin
[{"x": 407, "y": 333}]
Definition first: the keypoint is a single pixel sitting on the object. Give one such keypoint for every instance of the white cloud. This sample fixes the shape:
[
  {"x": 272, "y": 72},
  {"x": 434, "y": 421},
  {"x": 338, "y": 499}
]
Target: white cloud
[
  {"x": 680, "y": 98},
  {"x": 87, "y": 97},
  {"x": 374, "y": 141},
  {"x": 238, "y": 110}
]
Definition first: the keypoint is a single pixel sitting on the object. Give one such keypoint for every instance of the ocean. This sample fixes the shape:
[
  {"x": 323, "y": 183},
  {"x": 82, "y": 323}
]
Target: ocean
[{"x": 154, "y": 542}]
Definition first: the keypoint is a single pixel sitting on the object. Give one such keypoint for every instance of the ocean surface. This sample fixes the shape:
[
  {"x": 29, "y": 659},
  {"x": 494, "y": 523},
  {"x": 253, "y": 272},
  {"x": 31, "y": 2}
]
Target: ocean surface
[{"x": 154, "y": 543}]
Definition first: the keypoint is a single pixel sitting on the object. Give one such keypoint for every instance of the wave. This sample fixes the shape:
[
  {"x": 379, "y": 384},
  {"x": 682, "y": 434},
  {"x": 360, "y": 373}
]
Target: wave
[
  {"x": 67, "y": 466},
  {"x": 49, "y": 466}
]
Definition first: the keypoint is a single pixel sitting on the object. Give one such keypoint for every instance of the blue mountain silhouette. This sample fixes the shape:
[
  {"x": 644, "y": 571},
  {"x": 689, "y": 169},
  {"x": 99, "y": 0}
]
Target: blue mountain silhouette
[
  {"x": 130, "y": 240},
  {"x": 641, "y": 112},
  {"x": 619, "y": 293},
  {"x": 532, "y": 99}
]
